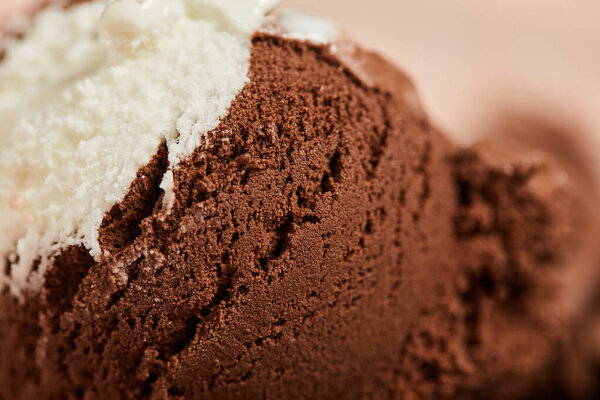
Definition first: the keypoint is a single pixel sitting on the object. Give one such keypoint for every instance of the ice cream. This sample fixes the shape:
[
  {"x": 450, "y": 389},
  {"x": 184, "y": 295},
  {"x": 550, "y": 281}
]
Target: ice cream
[{"x": 200, "y": 200}]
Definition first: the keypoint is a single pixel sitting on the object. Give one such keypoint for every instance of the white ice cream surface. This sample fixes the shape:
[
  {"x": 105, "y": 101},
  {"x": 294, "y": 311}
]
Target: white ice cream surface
[{"x": 293, "y": 24}]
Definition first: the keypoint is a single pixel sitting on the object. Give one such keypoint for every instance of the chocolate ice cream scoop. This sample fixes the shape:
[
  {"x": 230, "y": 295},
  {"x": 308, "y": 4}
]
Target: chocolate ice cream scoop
[{"x": 202, "y": 199}]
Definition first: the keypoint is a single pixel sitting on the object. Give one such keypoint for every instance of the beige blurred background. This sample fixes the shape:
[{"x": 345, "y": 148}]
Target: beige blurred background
[
  {"x": 471, "y": 58},
  {"x": 8, "y": 7}
]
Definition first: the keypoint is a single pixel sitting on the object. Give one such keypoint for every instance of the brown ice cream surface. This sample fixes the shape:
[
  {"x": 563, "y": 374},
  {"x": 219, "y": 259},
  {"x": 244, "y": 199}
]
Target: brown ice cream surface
[{"x": 326, "y": 242}]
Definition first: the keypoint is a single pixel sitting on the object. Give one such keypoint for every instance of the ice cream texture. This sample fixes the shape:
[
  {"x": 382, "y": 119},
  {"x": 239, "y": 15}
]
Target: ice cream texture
[
  {"x": 75, "y": 100},
  {"x": 206, "y": 199}
]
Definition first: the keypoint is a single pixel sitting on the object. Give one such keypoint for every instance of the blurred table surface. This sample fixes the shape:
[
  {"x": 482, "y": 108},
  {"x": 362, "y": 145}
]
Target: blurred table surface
[{"x": 470, "y": 57}]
